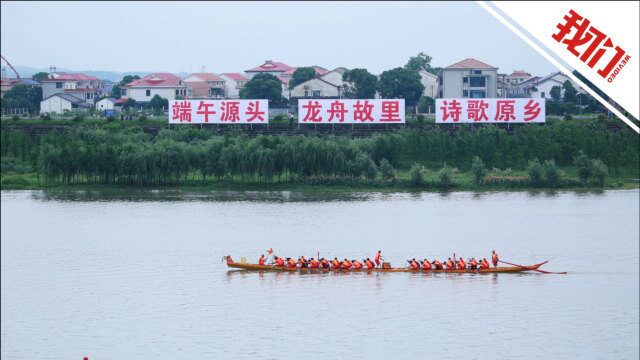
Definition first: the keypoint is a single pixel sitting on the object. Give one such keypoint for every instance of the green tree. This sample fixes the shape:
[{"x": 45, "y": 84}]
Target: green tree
[
  {"x": 583, "y": 164},
  {"x": 263, "y": 86},
  {"x": 536, "y": 172},
  {"x": 419, "y": 62},
  {"x": 116, "y": 91},
  {"x": 552, "y": 174},
  {"x": 40, "y": 76},
  {"x": 387, "y": 170},
  {"x": 128, "y": 78},
  {"x": 301, "y": 75},
  {"x": 401, "y": 83},
  {"x": 570, "y": 92},
  {"x": 478, "y": 170},
  {"x": 445, "y": 177},
  {"x": 556, "y": 93},
  {"x": 426, "y": 104},
  {"x": 158, "y": 102},
  {"x": 599, "y": 171},
  {"x": 416, "y": 174},
  {"x": 23, "y": 96},
  {"x": 129, "y": 103},
  {"x": 359, "y": 84}
]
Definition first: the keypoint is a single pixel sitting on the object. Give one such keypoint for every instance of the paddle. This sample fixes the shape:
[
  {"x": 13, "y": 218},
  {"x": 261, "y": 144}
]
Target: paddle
[{"x": 529, "y": 268}]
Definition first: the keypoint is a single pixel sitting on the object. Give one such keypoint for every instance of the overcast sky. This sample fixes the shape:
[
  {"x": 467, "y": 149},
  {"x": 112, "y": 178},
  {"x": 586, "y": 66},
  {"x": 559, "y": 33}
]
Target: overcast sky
[{"x": 233, "y": 37}]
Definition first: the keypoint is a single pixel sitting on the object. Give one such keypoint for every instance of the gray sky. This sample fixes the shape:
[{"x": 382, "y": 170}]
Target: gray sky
[{"x": 233, "y": 37}]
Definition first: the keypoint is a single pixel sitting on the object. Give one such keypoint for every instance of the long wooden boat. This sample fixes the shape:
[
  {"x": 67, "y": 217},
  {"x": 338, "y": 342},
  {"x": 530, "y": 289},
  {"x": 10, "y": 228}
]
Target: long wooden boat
[{"x": 504, "y": 269}]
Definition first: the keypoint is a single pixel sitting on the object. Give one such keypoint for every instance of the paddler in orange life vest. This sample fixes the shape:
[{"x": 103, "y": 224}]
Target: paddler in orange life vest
[
  {"x": 291, "y": 262},
  {"x": 335, "y": 263},
  {"x": 369, "y": 264},
  {"x": 324, "y": 263},
  {"x": 484, "y": 263},
  {"x": 473, "y": 264},
  {"x": 449, "y": 264},
  {"x": 313, "y": 263},
  {"x": 494, "y": 258},
  {"x": 413, "y": 264},
  {"x": 437, "y": 265},
  {"x": 461, "y": 264},
  {"x": 357, "y": 265},
  {"x": 346, "y": 264},
  {"x": 262, "y": 260},
  {"x": 279, "y": 261},
  {"x": 378, "y": 258},
  {"x": 426, "y": 265}
]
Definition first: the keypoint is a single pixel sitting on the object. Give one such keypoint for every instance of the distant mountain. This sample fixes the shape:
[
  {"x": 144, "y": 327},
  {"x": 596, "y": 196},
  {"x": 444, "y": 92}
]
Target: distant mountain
[{"x": 28, "y": 71}]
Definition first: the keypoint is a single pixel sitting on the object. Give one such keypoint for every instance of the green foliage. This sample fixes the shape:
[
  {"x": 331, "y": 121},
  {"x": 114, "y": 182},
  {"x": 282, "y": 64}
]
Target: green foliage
[
  {"x": 552, "y": 174},
  {"x": 599, "y": 172},
  {"x": 417, "y": 175},
  {"x": 359, "y": 84},
  {"x": 263, "y": 86},
  {"x": 419, "y": 62},
  {"x": 116, "y": 91},
  {"x": 78, "y": 118},
  {"x": 158, "y": 102},
  {"x": 364, "y": 166},
  {"x": 426, "y": 104},
  {"x": 401, "y": 83},
  {"x": 556, "y": 93},
  {"x": 570, "y": 92},
  {"x": 301, "y": 75},
  {"x": 583, "y": 164},
  {"x": 129, "y": 103},
  {"x": 39, "y": 76},
  {"x": 111, "y": 119},
  {"x": 478, "y": 170},
  {"x": 23, "y": 96},
  {"x": 387, "y": 170},
  {"x": 536, "y": 172},
  {"x": 128, "y": 78},
  {"x": 15, "y": 118},
  {"x": 143, "y": 118},
  {"x": 445, "y": 177}
]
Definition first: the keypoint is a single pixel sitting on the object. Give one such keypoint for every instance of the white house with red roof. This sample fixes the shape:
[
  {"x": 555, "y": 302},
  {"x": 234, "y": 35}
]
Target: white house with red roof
[
  {"x": 327, "y": 85},
  {"x": 269, "y": 67},
  {"x": 81, "y": 86},
  {"x": 165, "y": 85},
  {"x": 469, "y": 78},
  {"x": 204, "y": 86},
  {"x": 517, "y": 76},
  {"x": 234, "y": 82},
  {"x": 541, "y": 88}
]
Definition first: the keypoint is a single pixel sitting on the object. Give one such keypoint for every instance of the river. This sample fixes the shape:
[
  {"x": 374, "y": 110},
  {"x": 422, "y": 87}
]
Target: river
[{"x": 139, "y": 274}]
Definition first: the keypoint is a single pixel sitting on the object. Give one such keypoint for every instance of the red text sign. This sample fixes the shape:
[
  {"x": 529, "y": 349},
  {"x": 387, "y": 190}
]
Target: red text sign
[
  {"x": 351, "y": 111},
  {"x": 219, "y": 111},
  {"x": 476, "y": 111}
]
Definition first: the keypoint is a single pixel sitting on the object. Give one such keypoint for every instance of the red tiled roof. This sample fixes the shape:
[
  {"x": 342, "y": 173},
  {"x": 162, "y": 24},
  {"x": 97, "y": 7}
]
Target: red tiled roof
[
  {"x": 319, "y": 71},
  {"x": 235, "y": 76},
  {"x": 72, "y": 77},
  {"x": 207, "y": 76},
  {"x": 156, "y": 79},
  {"x": 470, "y": 64},
  {"x": 283, "y": 80},
  {"x": 270, "y": 66},
  {"x": 519, "y": 73}
]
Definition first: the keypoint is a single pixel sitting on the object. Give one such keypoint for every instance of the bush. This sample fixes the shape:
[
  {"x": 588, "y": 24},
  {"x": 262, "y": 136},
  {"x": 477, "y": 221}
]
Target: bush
[
  {"x": 387, "y": 170},
  {"x": 15, "y": 118},
  {"x": 599, "y": 172},
  {"x": 536, "y": 172},
  {"x": 142, "y": 118},
  {"x": 416, "y": 175},
  {"x": 583, "y": 164},
  {"x": 420, "y": 119},
  {"x": 445, "y": 177},
  {"x": 552, "y": 174},
  {"x": 111, "y": 119},
  {"x": 78, "y": 118},
  {"x": 478, "y": 170},
  {"x": 364, "y": 166},
  {"x": 46, "y": 117}
]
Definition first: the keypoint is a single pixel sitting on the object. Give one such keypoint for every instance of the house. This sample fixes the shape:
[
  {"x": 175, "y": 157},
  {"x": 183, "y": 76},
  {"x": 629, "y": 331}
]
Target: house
[
  {"x": 269, "y": 67},
  {"x": 289, "y": 73},
  {"x": 542, "y": 87},
  {"x": 205, "y": 86},
  {"x": 62, "y": 102},
  {"x": 165, "y": 85},
  {"x": 79, "y": 85},
  {"x": 469, "y": 78},
  {"x": 523, "y": 88},
  {"x": 106, "y": 104},
  {"x": 106, "y": 87},
  {"x": 328, "y": 85},
  {"x": 516, "y": 77},
  {"x": 6, "y": 84},
  {"x": 430, "y": 82},
  {"x": 234, "y": 82}
]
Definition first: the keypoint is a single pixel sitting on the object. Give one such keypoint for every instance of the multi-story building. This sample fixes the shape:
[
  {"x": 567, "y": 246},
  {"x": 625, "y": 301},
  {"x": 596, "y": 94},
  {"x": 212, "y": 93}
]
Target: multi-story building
[
  {"x": 269, "y": 67},
  {"x": 81, "y": 86},
  {"x": 327, "y": 85},
  {"x": 234, "y": 82},
  {"x": 431, "y": 84},
  {"x": 205, "y": 86},
  {"x": 469, "y": 78},
  {"x": 165, "y": 85}
]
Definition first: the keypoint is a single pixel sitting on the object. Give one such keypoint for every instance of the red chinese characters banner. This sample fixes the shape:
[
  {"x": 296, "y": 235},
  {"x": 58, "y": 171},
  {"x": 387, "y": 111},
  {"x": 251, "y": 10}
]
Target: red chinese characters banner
[
  {"x": 454, "y": 111},
  {"x": 219, "y": 111},
  {"x": 351, "y": 111}
]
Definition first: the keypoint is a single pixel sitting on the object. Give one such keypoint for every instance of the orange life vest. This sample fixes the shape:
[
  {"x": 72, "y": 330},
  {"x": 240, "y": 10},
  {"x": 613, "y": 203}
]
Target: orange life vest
[
  {"x": 279, "y": 262},
  {"x": 462, "y": 265},
  {"x": 450, "y": 265},
  {"x": 414, "y": 265},
  {"x": 474, "y": 263},
  {"x": 437, "y": 264},
  {"x": 494, "y": 259},
  {"x": 336, "y": 264},
  {"x": 484, "y": 264},
  {"x": 378, "y": 255},
  {"x": 426, "y": 265},
  {"x": 369, "y": 264},
  {"x": 346, "y": 264},
  {"x": 262, "y": 260},
  {"x": 357, "y": 265},
  {"x": 314, "y": 264},
  {"x": 292, "y": 263}
]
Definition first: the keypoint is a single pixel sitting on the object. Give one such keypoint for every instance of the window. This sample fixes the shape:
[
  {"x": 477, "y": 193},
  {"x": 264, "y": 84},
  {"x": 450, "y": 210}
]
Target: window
[
  {"x": 475, "y": 94},
  {"x": 123, "y": 92},
  {"x": 465, "y": 80},
  {"x": 58, "y": 85},
  {"x": 306, "y": 93},
  {"x": 477, "y": 72},
  {"x": 465, "y": 93},
  {"x": 542, "y": 94},
  {"x": 477, "y": 82},
  {"x": 148, "y": 92},
  {"x": 316, "y": 93}
]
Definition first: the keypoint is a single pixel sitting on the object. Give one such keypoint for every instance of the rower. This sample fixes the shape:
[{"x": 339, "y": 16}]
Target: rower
[
  {"x": 324, "y": 263},
  {"x": 279, "y": 261},
  {"x": 369, "y": 264},
  {"x": 357, "y": 265},
  {"x": 378, "y": 258},
  {"x": 437, "y": 265},
  {"x": 291, "y": 262},
  {"x": 346, "y": 264},
  {"x": 449, "y": 264},
  {"x": 262, "y": 260},
  {"x": 303, "y": 262},
  {"x": 314, "y": 264},
  {"x": 484, "y": 263},
  {"x": 336, "y": 263},
  {"x": 413, "y": 265},
  {"x": 473, "y": 264},
  {"x": 426, "y": 265},
  {"x": 494, "y": 258},
  {"x": 461, "y": 264}
]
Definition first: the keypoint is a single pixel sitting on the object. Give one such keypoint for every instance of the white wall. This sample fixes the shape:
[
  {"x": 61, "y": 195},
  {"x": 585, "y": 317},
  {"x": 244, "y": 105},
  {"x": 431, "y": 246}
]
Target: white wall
[
  {"x": 104, "y": 105},
  {"x": 54, "y": 104},
  {"x": 139, "y": 94},
  {"x": 430, "y": 83},
  {"x": 326, "y": 89},
  {"x": 230, "y": 87},
  {"x": 545, "y": 87},
  {"x": 333, "y": 77}
]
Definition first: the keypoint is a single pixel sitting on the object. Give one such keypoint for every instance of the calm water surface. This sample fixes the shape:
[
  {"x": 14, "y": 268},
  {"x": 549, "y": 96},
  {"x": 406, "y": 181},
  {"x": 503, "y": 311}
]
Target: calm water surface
[{"x": 137, "y": 275}]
